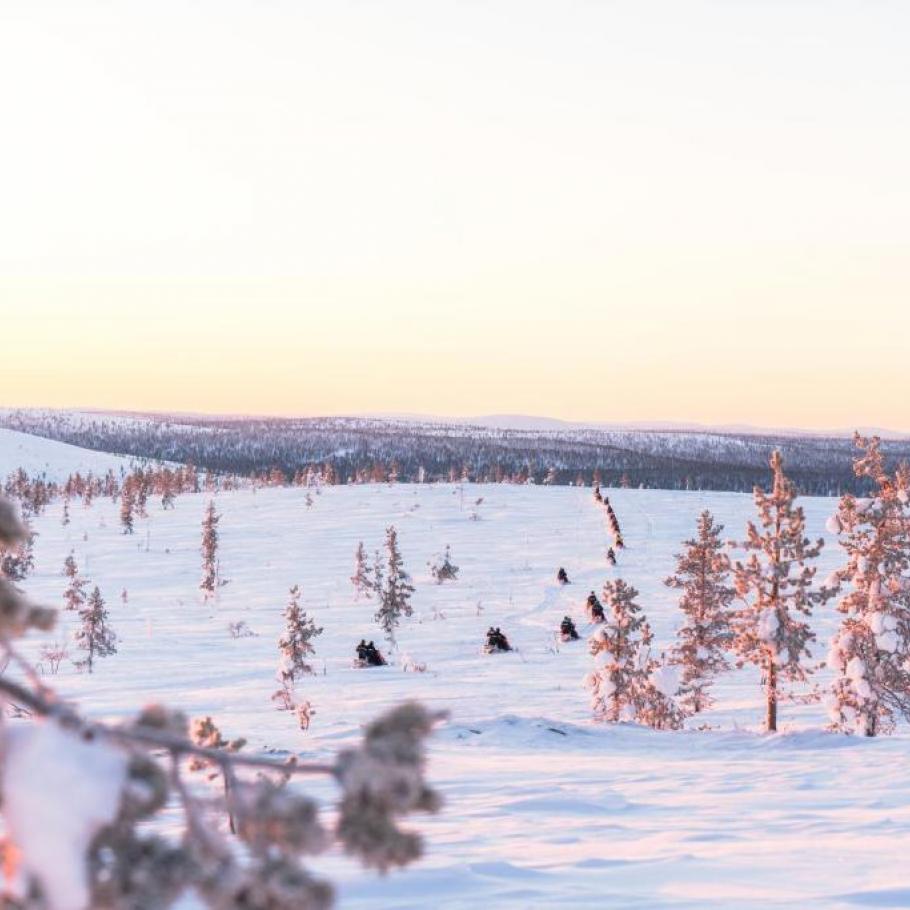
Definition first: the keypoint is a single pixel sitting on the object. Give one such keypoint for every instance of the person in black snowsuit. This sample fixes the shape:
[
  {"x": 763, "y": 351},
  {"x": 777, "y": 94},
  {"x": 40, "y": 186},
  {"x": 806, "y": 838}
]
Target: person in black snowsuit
[
  {"x": 595, "y": 608},
  {"x": 369, "y": 655},
  {"x": 562, "y": 577},
  {"x": 496, "y": 641},
  {"x": 611, "y": 556},
  {"x": 567, "y": 630},
  {"x": 374, "y": 657}
]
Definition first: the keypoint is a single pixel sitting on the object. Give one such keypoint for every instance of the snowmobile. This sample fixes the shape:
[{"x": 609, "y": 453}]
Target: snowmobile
[
  {"x": 567, "y": 630},
  {"x": 496, "y": 641},
  {"x": 368, "y": 655}
]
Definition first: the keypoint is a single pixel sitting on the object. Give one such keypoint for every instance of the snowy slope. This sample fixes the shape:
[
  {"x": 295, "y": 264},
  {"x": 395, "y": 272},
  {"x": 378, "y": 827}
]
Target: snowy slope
[
  {"x": 545, "y": 809},
  {"x": 55, "y": 460}
]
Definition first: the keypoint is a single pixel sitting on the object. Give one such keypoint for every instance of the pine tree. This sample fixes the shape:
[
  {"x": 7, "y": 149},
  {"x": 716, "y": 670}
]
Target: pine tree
[
  {"x": 870, "y": 652},
  {"x": 396, "y": 589},
  {"x": 377, "y": 575},
  {"x": 775, "y": 583},
  {"x": 622, "y": 687},
  {"x": 361, "y": 579},
  {"x": 209, "y": 550},
  {"x": 95, "y": 636},
  {"x": 74, "y": 595},
  {"x": 703, "y": 576},
  {"x": 295, "y": 645},
  {"x": 126, "y": 508}
]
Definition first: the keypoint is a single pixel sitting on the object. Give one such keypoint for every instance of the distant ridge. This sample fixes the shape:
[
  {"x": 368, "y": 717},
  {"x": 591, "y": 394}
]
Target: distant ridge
[{"x": 532, "y": 422}]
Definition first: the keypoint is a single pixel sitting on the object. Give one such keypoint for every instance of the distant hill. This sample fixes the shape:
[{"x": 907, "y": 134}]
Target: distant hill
[{"x": 359, "y": 449}]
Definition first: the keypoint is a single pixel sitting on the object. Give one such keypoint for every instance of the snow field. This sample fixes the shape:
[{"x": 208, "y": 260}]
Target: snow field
[{"x": 544, "y": 807}]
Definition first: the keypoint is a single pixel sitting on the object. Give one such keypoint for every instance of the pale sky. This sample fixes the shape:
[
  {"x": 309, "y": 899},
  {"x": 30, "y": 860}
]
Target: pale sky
[{"x": 606, "y": 210}]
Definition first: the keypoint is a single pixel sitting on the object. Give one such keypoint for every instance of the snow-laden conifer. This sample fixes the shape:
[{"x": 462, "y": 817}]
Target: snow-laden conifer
[
  {"x": 362, "y": 579},
  {"x": 295, "y": 646},
  {"x": 624, "y": 686},
  {"x": 74, "y": 595},
  {"x": 210, "y": 550},
  {"x": 775, "y": 584},
  {"x": 396, "y": 588},
  {"x": 94, "y": 635},
  {"x": 870, "y": 652},
  {"x": 127, "y": 504},
  {"x": 703, "y": 576}
]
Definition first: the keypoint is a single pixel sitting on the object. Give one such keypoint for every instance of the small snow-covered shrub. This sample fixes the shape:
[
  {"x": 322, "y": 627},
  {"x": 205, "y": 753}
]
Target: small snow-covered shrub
[
  {"x": 443, "y": 569},
  {"x": 240, "y": 629},
  {"x": 409, "y": 665}
]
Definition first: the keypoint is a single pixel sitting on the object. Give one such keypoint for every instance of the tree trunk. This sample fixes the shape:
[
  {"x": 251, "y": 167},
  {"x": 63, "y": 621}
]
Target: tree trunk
[{"x": 771, "y": 717}]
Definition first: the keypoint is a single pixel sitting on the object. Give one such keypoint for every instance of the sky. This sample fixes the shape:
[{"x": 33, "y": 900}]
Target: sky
[{"x": 612, "y": 211}]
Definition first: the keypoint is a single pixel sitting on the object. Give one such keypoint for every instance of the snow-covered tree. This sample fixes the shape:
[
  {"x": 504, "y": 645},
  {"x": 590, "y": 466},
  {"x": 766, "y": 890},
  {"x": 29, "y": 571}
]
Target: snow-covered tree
[
  {"x": 127, "y": 504},
  {"x": 295, "y": 646},
  {"x": 870, "y": 652},
  {"x": 362, "y": 579},
  {"x": 396, "y": 588},
  {"x": 210, "y": 550},
  {"x": 703, "y": 576},
  {"x": 74, "y": 595},
  {"x": 775, "y": 584},
  {"x": 95, "y": 636},
  {"x": 444, "y": 569},
  {"x": 624, "y": 685}
]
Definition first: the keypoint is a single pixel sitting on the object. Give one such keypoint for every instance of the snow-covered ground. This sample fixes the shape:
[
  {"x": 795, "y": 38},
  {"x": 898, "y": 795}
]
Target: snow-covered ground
[
  {"x": 53, "y": 460},
  {"x": 544, "y": 808}
]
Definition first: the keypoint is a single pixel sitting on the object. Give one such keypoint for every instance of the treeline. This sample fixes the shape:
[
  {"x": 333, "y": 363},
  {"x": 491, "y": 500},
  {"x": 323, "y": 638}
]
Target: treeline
[{"x": 361, "y": 450}]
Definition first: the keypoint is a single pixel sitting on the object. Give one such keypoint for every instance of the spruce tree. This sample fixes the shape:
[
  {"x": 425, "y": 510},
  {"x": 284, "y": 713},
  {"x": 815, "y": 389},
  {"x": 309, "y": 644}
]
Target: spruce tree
[
  {"x": 622, "y": 688},
  {"x": 870, "y": 652},
  {"x": 775, "y": 584},
  {"x": 127, "y": 502},
  {"x": 362, "y": 579},
  {"x": 396, "y": 588},
  {"x": 209, "y": 550},
  {"x": 703, "y": 576},
  {"x": 74, "y": 595},
  {"x": 94, "y": 635},
  {"x": 295, "y": 644}
]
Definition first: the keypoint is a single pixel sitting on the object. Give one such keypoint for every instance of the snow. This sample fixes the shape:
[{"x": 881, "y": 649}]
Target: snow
[
  {"x": 666, "y": 680},
  {"x": 58, "y": 792},
  {"x": 768, "y": 624},
  {"x": 544, "y": 807},
  {"x": 54, "y": 460}
]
